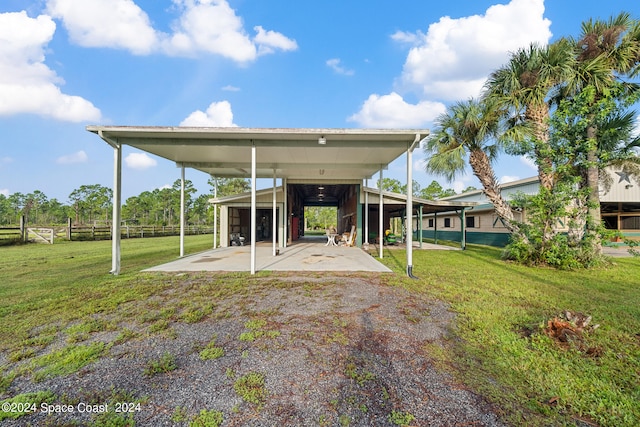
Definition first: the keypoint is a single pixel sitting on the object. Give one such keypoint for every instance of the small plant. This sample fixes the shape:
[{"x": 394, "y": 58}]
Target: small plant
[
  {"x": 250, "y": 388},
  {"x": 359, "y": 377},
  {"x": 344, "y": 420},
  {"x": 166, "y": 363},
  {"x": 125, "y": 335},
  {"x": 256, "y": 330},
  {"x": 179, "y": 414},
  {"x": 400, "y": 418},
  {"x": 211, "y": 351},
  {"x": 159, "y": 326},
  {"x": 206, "y": 418}
]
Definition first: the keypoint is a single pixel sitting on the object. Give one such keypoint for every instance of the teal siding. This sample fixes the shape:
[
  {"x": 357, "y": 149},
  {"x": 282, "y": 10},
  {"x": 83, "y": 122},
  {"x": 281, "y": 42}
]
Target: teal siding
[{"x": 478, "y": 238}]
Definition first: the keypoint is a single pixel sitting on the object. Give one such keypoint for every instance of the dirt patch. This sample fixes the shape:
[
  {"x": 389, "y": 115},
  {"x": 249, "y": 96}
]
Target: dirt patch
[{"x": 339, "y": 351}]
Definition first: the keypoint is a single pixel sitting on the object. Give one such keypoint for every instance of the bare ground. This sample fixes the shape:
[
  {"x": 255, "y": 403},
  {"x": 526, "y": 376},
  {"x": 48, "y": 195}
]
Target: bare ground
[{"x": 333, "y": 352}]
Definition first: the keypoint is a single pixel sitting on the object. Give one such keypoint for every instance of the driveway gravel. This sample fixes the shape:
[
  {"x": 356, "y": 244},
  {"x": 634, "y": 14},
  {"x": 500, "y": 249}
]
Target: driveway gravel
[{"x": 339, "y": 351}]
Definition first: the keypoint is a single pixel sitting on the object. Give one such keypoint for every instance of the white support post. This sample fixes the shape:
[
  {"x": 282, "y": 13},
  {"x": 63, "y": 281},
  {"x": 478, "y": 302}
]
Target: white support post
[
  {"x": 409, "y": 208},
  {"x": 253, "y": 209},
  {"x": 117, "y": 211},
  {"x": 420, "y": 226},
  {"x": 380, "y": 217},
  {"x": 215, "y": 213},
  {"x": 182, "y": 213},
  {"x": 285, "y": 214},
  {"x": 463, "y": 234},
  {"x": 366, "y": 214},
  {"x": 274, "y": 225}
]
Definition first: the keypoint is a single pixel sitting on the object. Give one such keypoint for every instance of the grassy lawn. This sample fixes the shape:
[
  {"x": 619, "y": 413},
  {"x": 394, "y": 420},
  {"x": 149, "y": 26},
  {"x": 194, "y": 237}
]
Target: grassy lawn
[
  {"x": 503, "y": 353},
  {"x": 498, "y": 346}
]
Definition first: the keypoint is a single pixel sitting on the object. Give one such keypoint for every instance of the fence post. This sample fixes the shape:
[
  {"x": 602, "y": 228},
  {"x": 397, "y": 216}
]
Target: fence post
[
  {"x": 23, "y": 229},
  {"x": 69, "y": 229}
]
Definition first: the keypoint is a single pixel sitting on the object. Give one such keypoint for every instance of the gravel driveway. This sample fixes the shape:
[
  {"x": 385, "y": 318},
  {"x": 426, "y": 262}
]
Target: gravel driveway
[{"x": 345, "y": 351}]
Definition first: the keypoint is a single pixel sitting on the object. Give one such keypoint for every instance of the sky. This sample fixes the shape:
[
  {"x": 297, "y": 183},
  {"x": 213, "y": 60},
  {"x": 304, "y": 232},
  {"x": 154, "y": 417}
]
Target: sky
[{"x": 66, "y": 64}]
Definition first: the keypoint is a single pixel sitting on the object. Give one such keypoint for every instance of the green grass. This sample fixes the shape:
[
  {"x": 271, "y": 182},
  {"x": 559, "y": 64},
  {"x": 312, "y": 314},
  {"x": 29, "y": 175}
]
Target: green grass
[
  {"x": 55, "y": 301},
  {"x": 502, "y": 351}
]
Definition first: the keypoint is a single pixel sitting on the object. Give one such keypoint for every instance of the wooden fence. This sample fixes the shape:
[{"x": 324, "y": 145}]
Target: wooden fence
[
  {"x": 135, "y": 231},
  {"x": 12, "y": 235}
]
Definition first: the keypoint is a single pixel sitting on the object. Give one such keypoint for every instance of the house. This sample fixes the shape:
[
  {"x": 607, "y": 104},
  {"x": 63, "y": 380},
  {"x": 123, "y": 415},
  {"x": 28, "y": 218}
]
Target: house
[{"x": 619, "y": 206}]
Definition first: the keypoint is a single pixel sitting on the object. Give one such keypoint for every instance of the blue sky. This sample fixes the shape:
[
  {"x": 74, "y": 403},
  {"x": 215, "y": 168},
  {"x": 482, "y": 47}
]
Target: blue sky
[{"x": 65, "y": 64}]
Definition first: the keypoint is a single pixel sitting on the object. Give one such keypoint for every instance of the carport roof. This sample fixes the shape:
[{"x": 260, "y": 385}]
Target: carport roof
[{"x": 291, "y": 153}]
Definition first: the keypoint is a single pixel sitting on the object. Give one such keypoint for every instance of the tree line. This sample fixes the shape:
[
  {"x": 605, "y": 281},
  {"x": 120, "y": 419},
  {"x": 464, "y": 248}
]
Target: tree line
[
  {"x": 93, "y": 204},
  {"x": 567, "y": 106}
]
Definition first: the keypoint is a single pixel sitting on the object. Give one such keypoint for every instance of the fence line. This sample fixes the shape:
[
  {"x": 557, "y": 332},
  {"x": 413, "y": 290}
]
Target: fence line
[{"x": 12, "y": 235}]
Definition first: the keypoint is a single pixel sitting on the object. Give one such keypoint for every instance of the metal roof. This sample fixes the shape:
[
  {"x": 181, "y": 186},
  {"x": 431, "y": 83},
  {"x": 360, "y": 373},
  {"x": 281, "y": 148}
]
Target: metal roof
[{"x": 292, "y": 153}]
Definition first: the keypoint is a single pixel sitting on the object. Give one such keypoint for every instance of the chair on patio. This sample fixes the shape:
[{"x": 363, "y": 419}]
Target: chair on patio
[{"x": 350, "y": 238}]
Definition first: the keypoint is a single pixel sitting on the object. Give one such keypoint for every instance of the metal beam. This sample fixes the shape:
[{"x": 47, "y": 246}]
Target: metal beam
[{"x": 271, "y": 166}]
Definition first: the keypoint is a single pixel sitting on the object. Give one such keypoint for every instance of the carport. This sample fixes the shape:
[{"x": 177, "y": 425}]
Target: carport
[{"x": 296, "y": 156}]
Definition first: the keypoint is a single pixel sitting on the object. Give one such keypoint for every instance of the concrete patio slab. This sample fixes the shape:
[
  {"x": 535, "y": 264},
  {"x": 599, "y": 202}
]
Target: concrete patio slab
[{"x": 309, "y": 254}]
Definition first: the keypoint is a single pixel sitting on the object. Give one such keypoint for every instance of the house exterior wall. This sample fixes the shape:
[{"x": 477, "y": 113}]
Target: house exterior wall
[{"x": 620, "y": 209}]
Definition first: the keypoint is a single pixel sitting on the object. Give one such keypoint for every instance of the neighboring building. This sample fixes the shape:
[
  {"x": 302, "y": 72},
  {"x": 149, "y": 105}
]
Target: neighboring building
[{"x": 620, "y": 208}]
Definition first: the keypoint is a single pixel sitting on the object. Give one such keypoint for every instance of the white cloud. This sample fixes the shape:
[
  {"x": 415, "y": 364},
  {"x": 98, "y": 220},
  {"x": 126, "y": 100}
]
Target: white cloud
[
  {"x": 453, "y": 59},
  {"x": 269, "y": 41},
  {"x": 78, "y": 157},
  {"x": 194, "y": 32},
  {"x": 334, "y": 64},
  {"x": 5, "y": 160},
  {"x": 203, "y": 26},
  {"x": 119, "y": 24},
  {"x": 218, "y": 114},
  {"x": 4, "y": 192},
  {"x": 528, "y": 162},
  {"x": 27, "y": 85},
  {"x": 230, "y": 88},
  {"x": 391, "y": 111},
  {"x": 139, "y": 161}
]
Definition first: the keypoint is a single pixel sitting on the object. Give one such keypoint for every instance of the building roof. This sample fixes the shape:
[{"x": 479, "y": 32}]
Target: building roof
[{"x": 291, "y": 153}]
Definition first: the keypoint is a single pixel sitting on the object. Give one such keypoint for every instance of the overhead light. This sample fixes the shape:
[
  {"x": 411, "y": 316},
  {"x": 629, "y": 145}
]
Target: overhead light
[
  {"x": 320, "y": 195},
  {"x": 322, "y": 140},
  {"x": 320, "y": 188}
]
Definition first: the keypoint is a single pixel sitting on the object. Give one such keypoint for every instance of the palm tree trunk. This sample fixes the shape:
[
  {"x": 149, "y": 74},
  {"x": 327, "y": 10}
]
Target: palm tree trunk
[
  {"x": 593, "y": 184},
  {"x": 483, "y": 170},
  {"x": 538, "y": 115}
]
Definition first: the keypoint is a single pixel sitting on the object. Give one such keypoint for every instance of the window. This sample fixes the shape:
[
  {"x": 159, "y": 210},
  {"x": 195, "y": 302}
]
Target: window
[
  {"x": 630, "y": 223},
  {"x": 471, "y": 222},
  {"x": 448, "y": 223},
  {"x": 430, "y": 223}
]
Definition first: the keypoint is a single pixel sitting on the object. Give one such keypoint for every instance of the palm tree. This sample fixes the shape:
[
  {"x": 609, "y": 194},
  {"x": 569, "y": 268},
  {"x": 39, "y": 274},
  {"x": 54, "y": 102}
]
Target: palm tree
[
  {"x": 469, "y": 130},
  {"x": 521, "y": 89},
  {"x": 605, "y": 53}
]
